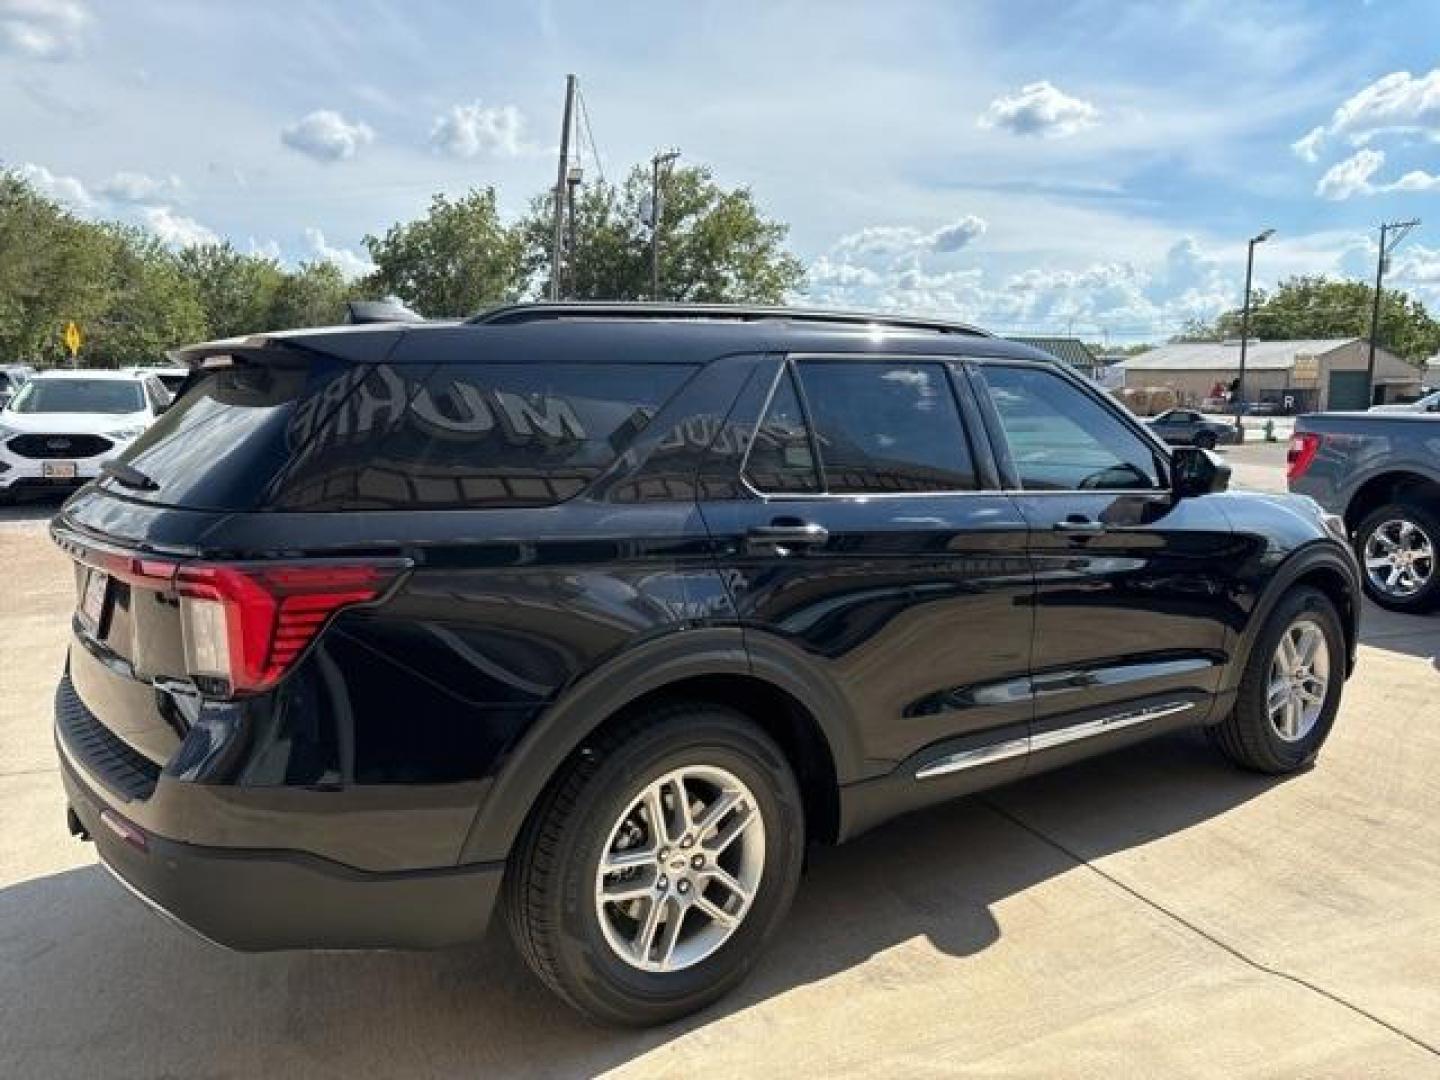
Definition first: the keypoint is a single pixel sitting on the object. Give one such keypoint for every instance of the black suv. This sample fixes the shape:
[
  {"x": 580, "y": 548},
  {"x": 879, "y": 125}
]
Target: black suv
[{"x": 602, "y": 613}]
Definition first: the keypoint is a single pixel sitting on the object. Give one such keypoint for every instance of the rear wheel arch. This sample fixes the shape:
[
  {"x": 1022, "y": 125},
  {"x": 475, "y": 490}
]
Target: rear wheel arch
[
  {"x": 1401, "y": 486},
  {"x": 819, "y": 749}
]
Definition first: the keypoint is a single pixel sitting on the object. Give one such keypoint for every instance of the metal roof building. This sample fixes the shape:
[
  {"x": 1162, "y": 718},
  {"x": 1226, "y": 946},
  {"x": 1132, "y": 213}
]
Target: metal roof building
[
  {"x": 1070, "y": 350},
  {"x": 1313, "y": 373}
]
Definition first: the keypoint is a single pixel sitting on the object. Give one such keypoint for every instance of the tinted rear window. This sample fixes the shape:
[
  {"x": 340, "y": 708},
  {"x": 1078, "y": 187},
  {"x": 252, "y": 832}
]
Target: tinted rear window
[
  {"x": 222, "y": 445},
  {"x": 483, "y": 435}
]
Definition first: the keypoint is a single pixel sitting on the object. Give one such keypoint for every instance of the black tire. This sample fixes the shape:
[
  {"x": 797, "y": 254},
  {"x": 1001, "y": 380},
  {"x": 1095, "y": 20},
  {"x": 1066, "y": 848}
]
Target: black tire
[
  {"x": 1427, "y": 520},
  {"x": 1205, "y": 440},
  {"x": 550, "y": 880},
  {"x": 1247, "y": 736}
]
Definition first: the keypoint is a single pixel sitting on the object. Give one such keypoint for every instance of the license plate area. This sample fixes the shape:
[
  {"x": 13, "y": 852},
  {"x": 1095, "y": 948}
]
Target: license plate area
[
  {"x": 58, "y": 470},
  {"x": 94, "y": 591}
]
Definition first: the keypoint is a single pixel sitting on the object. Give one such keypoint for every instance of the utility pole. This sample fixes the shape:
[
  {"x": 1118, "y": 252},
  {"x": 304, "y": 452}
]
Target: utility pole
[
  {"x": 556, "y": 256},
  {"x": 1400, "y": 230},
  {"x": 572, "y": 180},
  {"x": 663, "y": 159},
  {"x": 1260, "y": 238}
]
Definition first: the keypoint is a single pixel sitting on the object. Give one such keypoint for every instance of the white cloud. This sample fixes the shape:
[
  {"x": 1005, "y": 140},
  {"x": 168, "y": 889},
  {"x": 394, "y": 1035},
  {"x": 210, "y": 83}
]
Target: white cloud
[
  {"x": 1397, "y": 103},
  {"x": 176, "y": 229},
  {"x": 1415, "y": 180},
  {"x": 138, "y": 187},
  {"x": 44, "y": 29},
  {"x": 467, "y": 131},
  {"x": 348, "y": 262},
  {"x": 65, "y": 189},
  {"x": 892, "y": 241},
  {"x": 325, "y": 135},
  {"x": 1040, "y": 109},
  {"x": 1307, "y": 147},
  {"x": 268, "y": 249},
  {"x": 1351, "y": 176}
]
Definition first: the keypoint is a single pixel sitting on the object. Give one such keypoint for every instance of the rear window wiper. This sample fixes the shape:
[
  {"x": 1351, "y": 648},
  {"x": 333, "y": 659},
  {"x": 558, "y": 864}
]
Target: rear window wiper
[{"x": 130, "y": 476}]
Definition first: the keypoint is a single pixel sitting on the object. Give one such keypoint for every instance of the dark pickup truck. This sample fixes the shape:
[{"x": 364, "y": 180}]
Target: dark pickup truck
[{"x": 1381, "y": 473}]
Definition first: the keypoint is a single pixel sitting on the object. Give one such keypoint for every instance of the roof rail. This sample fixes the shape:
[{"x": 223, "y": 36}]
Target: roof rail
[{"x": 554, "y": 310}]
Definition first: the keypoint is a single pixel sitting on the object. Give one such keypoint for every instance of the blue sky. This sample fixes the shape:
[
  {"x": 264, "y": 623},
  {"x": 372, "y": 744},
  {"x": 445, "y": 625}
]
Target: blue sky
[{"x": 1041, "y": 167}]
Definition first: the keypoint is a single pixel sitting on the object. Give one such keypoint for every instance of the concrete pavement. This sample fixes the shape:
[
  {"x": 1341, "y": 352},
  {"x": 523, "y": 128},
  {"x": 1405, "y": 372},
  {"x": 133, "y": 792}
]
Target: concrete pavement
[{"x": 1150, "y": 913}]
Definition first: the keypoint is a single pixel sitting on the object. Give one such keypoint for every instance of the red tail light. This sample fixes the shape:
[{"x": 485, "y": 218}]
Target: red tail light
[
  {"x": 1304, "y": 445},
  {"x": 245, "y": 626}
]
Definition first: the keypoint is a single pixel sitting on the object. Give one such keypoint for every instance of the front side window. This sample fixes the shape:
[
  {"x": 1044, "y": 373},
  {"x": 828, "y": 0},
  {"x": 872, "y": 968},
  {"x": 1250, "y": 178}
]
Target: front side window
[
  {"x": 110, "y": 396},
  {"x": 1061, "y": 439},
  {"x": 886, "y": 427}
]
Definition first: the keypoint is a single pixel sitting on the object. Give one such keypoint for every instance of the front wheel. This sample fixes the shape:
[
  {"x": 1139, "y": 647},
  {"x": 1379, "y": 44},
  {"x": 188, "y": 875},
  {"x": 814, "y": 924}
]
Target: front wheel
[
  {"x": 658, "y": 865},
  {"x": 1397, "y": 546},
  {"x": 1290, "y": 689}
]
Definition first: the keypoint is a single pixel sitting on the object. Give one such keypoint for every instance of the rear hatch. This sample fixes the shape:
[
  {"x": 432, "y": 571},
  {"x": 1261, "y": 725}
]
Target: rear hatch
[{"x": 158, "y": 620}]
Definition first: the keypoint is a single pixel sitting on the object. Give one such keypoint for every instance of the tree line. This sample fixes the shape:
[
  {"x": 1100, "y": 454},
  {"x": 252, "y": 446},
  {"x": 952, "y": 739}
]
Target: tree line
[
  {"x": 135, "y": 297},
  {"x": 1321, "y": 307}
]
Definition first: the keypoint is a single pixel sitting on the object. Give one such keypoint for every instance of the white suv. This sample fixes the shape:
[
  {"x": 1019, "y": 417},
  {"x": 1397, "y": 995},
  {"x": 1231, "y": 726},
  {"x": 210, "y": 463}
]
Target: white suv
[{"x": 61, "y": 426}]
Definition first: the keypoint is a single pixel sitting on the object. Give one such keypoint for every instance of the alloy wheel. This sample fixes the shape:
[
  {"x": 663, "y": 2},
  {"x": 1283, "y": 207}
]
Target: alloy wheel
[
  {"x": 1299, "y": 677},
  {"x": 680, "y": 869},
  {"x": 1399, "y": 558}
]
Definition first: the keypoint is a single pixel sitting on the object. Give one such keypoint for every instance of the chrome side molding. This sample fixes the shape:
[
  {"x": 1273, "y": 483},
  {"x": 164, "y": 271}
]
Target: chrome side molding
[
  {"x": 968, "y": 759},
  {"x": 1048, "y": 740}
]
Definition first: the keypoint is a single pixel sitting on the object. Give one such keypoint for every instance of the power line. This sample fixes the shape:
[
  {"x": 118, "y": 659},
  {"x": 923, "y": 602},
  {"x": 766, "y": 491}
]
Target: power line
[{"x": 590, "y": 136}]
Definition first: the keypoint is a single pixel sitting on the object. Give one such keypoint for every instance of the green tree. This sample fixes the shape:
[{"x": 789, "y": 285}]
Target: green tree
[
  {"x": 150, "y": 305},
  {"x": 314, "y": 295},
  {"x": 1320, "y": 307},
  {"x": 52, "y": 269},
  {"x": 455, "y": 260},
  {"x": 237, "y": 292},
  {"x": 715, "y": 245}
]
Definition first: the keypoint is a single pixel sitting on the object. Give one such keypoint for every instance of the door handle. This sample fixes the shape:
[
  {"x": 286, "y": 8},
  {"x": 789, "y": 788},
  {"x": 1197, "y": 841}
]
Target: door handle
[
  {"x": 798, "y": 534},
  {"x": 1078, "y": 526}
]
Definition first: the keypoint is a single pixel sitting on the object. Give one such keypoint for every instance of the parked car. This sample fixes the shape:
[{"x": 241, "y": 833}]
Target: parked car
[
  {"x": 1430, "y": 403},
  {"x": 12, "y": 377},
  {"x": 601, "y": 613},
  {"x": 61, "y": 427},
  {"x": 1380, "y": 471},
  {"x": 1185, "y": 427},
  {"x": 171, "y": 376}
]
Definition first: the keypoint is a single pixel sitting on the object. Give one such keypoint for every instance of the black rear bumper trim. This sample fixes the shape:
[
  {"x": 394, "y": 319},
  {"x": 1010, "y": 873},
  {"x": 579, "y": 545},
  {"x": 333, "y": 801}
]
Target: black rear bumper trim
[
  {"x": 261, "y": 900},
  {"x": 120, "y": 767}
]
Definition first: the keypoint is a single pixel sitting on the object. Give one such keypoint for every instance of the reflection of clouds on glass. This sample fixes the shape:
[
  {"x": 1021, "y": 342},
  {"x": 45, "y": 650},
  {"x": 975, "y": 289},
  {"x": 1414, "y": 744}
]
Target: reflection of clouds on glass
[{"x": 917, "y": 379}]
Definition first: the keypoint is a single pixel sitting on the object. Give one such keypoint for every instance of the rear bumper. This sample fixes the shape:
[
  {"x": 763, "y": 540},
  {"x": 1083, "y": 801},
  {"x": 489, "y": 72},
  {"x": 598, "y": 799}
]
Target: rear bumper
[{"x": 256, "y": 900}]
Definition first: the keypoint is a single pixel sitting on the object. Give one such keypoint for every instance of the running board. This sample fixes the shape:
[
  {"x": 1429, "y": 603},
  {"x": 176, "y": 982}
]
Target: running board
[{"x": 1047, "y": 740}]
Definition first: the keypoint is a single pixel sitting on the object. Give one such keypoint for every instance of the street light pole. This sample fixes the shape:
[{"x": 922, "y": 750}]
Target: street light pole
[{"x": 1245, "y": 325}]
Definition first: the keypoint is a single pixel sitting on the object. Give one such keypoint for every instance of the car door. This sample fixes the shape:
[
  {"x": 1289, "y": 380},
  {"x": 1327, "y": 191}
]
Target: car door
[
  {"x": 866, "y": 555},
  {"x": 1132, "y": 584}
]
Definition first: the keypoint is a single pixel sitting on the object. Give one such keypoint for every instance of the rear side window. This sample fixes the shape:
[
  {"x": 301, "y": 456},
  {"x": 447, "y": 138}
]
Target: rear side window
[
  {"x": 886, "y": 427},
  {"x": 780, "y": 455},
  {"x": 1061, "y": 439},
  {"x": 483, "y": 435}
]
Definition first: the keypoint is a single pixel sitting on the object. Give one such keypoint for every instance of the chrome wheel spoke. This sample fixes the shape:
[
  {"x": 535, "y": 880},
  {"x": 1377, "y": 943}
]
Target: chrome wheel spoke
[
  {"x": 1299, "y": 675},
  {"x": 680, "y": 868}
]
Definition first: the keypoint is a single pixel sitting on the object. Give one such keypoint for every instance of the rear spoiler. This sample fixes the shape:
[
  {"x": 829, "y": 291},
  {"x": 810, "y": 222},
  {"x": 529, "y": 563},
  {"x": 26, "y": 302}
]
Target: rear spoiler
[{"x": 368, "y": 343}]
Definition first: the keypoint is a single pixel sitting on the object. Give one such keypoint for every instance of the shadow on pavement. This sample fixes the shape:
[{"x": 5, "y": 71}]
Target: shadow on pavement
[
  {"x": 41, "y": 507},
  {"x": 84, "y": 969},
  {"x": 1412, "y": 635}
]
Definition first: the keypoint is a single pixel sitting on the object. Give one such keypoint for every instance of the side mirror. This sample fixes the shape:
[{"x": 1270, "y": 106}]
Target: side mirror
[{"x": 1196, "y": 471}]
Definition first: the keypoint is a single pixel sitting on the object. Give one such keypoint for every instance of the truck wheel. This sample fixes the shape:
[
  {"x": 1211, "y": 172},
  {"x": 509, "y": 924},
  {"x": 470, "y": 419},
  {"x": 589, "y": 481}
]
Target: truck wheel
[
  {"x": 1397, "y": 546},
  {"x": 1291, "y": 687},
  {"x": 657, "y": 866}
]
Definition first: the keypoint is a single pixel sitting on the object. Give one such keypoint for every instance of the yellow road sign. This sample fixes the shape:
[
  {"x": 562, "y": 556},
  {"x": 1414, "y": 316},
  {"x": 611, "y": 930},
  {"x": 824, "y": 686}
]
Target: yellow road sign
[{"x": 72, "y": 338}]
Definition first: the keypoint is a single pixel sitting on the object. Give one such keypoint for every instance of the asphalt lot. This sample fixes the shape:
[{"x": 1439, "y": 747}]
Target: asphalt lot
[{"x": 1150, "y": 913}]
